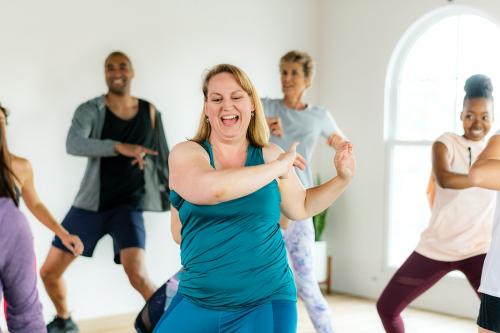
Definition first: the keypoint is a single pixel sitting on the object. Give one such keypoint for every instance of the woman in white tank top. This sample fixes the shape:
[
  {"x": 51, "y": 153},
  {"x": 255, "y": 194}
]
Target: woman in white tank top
[
  {"x": 485, "y": 173},
  {"x": 459, "y": 230}
]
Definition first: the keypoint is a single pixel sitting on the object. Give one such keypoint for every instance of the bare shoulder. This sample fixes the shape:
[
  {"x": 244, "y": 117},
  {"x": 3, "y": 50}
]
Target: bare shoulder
[
  {"x": 492, "y": 150},
  {"x": 186, "y": 149},
  {"x": 494, "y": 140},
  {"x": 20, "y": 164},
  {"x": 439, "y": 147},
  {"x": 271, "y": 152},
  {"x": 21, "y": 168},
  {"x": 186, "y": 159}
]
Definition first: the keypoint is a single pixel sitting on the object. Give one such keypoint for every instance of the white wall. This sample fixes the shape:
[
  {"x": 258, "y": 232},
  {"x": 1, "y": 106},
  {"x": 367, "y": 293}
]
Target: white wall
[
  {"x": 51, "y": 58},
  {"x": 52, "y": 55},
  {"x": 356, "y": 41}
]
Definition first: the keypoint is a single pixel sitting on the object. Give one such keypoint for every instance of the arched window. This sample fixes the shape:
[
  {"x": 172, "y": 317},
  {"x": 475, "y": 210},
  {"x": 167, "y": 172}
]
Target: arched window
[{"x": 424, "y": 96}]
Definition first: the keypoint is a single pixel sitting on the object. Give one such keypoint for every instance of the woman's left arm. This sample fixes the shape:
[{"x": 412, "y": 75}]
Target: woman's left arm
[
  {"x": 485, "y": 172},
  {"x": 40, "y": 211},
  {"x": 298, "y": 203}
]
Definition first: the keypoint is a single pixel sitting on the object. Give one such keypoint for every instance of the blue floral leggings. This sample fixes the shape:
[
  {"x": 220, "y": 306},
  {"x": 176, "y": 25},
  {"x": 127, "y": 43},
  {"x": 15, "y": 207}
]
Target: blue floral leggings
[{"x": 299, "y": 238}]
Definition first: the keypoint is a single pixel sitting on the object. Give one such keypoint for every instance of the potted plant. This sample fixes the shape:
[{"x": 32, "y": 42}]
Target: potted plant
[{"x": 319, "y": 249}]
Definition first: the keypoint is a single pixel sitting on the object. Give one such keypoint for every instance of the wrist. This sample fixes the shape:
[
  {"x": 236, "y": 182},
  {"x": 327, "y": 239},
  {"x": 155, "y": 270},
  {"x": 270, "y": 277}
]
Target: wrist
[
  {"x": 62, "y": 233},
  {"x": 279, "y": 167},
  {"x": 346, "y": 178},
  {"x": 117, "y": 147},
  {"x": 334, "y": 140}
]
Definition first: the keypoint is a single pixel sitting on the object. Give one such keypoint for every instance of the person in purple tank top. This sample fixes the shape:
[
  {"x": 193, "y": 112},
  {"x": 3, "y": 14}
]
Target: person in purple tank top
[
  {"x": 24, "y": 186},
  {"x": 17, "y": 257}
]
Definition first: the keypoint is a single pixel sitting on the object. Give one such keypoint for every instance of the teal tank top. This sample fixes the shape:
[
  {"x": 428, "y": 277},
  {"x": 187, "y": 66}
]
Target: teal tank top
[{"x": 233, "y": 254}]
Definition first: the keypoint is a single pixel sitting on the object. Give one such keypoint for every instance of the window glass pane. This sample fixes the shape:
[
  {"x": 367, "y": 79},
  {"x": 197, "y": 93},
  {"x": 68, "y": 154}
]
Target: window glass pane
[
  {"x": 430, "y": 88},
  {"x": 478, "y": 48},
  {"x": 425, "y": 109},
  {"x": 427, "y": 87},
  {"x": 478, "y": 53},
  {"x": 434, "y": 54},
  {"x": 409, "y": 212}
]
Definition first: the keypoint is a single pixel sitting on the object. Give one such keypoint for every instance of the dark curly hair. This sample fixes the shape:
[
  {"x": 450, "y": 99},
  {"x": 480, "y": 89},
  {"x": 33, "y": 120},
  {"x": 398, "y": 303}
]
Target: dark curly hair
[{"x": 478, "y": 86}]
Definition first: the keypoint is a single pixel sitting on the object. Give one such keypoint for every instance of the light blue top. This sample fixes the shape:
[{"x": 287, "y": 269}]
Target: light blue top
[
  {"x": 304, "y": 126},
  {"x": 233, "y": 253}
]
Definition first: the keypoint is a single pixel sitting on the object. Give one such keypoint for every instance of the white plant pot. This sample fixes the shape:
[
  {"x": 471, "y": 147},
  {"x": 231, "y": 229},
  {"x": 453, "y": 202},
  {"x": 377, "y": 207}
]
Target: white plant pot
[{"x": 320, "y": 261}]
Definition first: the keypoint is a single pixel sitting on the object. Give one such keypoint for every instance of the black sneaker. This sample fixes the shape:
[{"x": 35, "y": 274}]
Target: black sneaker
[{"x": 60, "y": 325}]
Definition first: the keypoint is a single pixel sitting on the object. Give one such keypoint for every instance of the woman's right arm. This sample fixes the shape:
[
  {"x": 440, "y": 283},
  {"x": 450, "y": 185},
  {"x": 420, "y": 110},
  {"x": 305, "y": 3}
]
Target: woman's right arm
[
  {"x": 193, "y": 178},
  {"x": 441, "y": 169},
  {"x": 485, "y": 172}
]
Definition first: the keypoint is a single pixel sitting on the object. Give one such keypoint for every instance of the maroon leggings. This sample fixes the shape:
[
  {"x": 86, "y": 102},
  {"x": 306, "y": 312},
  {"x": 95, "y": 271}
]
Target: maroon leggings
[{"x": 413, "y": 278}]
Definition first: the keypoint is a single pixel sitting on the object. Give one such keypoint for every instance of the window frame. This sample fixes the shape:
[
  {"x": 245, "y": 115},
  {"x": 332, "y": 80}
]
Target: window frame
[{"x": 391, "y": 90}]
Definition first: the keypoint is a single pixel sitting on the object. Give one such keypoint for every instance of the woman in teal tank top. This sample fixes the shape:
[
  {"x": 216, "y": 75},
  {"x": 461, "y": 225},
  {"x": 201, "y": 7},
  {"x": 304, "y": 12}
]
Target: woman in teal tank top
[
  {"x": 228, "y": 186},
  {"x": 248, "y": 267}
]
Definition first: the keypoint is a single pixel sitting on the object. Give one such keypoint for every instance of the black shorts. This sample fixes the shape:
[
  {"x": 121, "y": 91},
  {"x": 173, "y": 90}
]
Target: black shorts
[
  {"x": 489, "y": 313},
  {"x": 124, "y": 224}
]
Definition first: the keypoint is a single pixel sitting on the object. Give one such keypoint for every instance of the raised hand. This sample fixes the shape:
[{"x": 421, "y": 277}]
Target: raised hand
[
  {"x": 345, "y": 163},
  {"x": 337, "y": 142},
  {"x": 275, "y": 126},
  {"x": 135, "y": 151},
  {"x": 300, "y": 162}
]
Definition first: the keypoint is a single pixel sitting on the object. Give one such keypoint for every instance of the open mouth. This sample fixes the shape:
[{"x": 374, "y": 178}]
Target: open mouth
[
  {"x": 476, "y": 131},
  {"x": 230, "y": 120},
  {"x": 117, "y": 81}
]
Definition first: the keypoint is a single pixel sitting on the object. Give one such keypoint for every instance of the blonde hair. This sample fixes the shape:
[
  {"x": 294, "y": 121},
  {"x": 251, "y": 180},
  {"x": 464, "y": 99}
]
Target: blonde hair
[
  {"x": 258, "y": 132},
  {"x": 302, "y": 58}
]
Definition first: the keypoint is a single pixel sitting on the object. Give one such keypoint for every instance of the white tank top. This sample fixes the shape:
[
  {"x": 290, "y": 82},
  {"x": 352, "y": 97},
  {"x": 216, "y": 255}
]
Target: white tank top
[
  {"x": 460, "y": 224},
  {"x": 490, "y": 279}
]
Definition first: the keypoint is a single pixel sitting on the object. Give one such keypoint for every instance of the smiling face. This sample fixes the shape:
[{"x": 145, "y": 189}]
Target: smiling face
[
  {"x": 118, "y": 73},
  {"x": 477, "y": 116},
  {"x": 293, "y": 80},
  {"x": 228, "y": 108}
]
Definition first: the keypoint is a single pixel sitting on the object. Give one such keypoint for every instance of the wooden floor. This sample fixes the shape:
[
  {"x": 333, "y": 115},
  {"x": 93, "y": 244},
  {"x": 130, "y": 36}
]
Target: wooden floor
[{"x": 350, "y": 314}]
